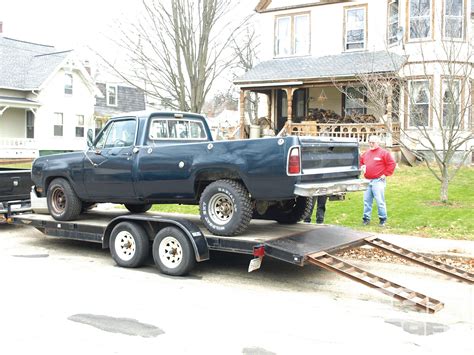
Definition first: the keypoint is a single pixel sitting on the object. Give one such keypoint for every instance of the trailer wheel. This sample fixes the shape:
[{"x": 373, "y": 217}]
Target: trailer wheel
[
  {"x": 63, "y": 203},
  {"x": 291, "y": 211},
  {"x": 173, "y": 252},
  {"x": 225, "y": 207},
  {"x": 129, "y": 244},
  {"x": 138, "y": 208}
]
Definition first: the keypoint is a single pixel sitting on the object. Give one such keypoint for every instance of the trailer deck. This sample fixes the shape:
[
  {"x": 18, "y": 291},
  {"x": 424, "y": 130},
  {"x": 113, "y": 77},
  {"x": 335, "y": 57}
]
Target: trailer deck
[{"x": 299, "y": 244}]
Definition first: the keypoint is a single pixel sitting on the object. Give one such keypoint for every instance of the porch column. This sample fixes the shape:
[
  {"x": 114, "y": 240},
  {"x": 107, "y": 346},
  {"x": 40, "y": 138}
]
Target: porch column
[
  {"x": 388, "y": 117},
  {"x": 242, "y": 114},
  {"x": 269, "y": 108},
  {"x": 289, "y": 97}
]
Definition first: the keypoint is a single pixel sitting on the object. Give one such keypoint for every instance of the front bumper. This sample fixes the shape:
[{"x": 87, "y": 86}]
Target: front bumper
[{"x": 331, "y": 188}]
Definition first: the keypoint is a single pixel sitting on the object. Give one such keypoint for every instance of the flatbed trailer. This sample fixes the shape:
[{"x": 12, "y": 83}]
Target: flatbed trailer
[{"x": 178, "y": 241}]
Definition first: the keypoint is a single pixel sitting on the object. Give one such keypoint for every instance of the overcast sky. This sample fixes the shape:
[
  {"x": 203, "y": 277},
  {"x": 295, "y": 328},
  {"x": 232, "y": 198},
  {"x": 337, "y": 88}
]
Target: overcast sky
[{"x": 64, "y": 24}]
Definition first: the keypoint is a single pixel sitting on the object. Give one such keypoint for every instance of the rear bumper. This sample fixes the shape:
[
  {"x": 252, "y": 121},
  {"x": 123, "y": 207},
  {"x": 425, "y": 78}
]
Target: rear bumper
[{"x": 331, "y": 188}]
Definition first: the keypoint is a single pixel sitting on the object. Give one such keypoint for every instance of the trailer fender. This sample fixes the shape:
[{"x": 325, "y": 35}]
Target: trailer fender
[{"x": 153, "y": 224}]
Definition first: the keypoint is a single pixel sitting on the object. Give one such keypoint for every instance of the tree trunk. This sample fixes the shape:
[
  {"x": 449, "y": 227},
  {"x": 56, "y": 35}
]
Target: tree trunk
[{"x": 444, "y": 186}]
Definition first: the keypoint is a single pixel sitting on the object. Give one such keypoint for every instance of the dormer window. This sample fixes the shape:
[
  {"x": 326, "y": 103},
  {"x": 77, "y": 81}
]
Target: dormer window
[
  {"x": 111, "y": 95},
  {"x": 68, "y": 84},
  {"x": 292, "y": 33}
]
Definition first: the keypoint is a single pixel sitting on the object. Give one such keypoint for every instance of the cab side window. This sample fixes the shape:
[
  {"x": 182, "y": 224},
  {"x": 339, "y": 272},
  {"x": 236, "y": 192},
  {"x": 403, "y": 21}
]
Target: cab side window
[{"x": 118, "y": 134}]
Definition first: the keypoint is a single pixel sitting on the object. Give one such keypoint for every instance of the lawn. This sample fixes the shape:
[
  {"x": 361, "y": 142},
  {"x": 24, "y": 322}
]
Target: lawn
[{"x": 412, "y": 197}]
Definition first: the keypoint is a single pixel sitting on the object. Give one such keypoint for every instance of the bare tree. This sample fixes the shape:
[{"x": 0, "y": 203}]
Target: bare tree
[
  {"x": 246, "y": 48},
  {"x": 445, "y": 141},
  {"x": 178, "y": 49}
]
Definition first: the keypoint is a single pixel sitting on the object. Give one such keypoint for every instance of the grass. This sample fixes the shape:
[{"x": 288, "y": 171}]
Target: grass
[
  {"x": 412, "y": 197},
  {"x": 26, "y": 165}
]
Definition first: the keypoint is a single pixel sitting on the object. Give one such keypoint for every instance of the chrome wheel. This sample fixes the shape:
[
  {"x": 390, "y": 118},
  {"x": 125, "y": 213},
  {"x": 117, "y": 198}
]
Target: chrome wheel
[
  {"x": 170, "y": 252},
  {"x": 125, "y": 246},
  {"x": 221, "y": 208}
]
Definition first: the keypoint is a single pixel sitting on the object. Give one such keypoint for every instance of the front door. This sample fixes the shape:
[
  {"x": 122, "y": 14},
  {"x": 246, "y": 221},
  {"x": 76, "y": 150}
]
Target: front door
[
  {"x": 282, "y": 109},
  {"x": 108, "y": 165}
]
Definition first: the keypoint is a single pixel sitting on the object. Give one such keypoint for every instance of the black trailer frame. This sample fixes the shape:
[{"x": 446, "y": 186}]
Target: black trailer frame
[{"x": 299, "y": 244}]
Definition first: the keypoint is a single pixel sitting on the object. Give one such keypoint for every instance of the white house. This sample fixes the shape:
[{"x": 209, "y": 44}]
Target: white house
[
  {"x": 46, "y": 100},
  {"x": 312, "y": 49}
]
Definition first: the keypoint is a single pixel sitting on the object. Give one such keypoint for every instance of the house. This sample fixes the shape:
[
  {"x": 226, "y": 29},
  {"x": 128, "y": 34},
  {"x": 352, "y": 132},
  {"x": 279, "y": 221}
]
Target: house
[
  {"x": 314, "y": 54},
  {"x": 115, "y": 98},
  {"x": 46, "y": 100}
]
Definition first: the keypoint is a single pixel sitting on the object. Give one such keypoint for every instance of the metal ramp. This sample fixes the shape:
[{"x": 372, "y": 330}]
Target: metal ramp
[
  {"x": 459, "y": 274},
  {"x": 389, "y": 288}
]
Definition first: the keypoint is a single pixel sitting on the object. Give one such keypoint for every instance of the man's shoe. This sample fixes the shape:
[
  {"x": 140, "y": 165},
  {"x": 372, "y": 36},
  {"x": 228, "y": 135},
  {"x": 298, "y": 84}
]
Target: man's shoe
[
  {"x": 365, "y": 222},
  {"x": 319, "y": 222},
  {"x": 382, "y": 222}
]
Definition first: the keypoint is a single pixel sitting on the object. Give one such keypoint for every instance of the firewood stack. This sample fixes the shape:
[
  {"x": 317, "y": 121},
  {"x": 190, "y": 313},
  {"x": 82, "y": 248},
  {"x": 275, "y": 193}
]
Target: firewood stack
[{"x": 331, "y": 117}]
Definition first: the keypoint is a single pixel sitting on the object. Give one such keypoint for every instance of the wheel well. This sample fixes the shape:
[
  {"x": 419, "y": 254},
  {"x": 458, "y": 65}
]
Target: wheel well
[{"x": 204, "y": 178}]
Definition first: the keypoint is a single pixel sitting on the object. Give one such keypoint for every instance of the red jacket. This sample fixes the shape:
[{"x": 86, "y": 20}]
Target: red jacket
[{"x": 377, "y": 162}]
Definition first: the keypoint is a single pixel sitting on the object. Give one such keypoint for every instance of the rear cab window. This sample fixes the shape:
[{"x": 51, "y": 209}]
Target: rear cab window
[{"x": 173, "y": 129}]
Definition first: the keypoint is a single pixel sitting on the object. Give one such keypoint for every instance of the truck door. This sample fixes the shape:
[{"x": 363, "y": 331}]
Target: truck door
[{"x": 108, "y": 165}]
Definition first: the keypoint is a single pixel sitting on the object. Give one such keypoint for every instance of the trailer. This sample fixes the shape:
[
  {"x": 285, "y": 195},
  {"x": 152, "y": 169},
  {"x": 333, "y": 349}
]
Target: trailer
[{"x": 178, "y": 242}]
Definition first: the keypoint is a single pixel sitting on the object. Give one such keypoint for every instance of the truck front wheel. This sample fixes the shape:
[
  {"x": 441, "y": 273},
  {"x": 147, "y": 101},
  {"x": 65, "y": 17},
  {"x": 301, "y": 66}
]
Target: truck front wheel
[
  {"x": 225, "y": 207},
  {"x": 63, "y": 203},
  {"x": 138, "y": 208},
  {"x": 290, "y": 211}
]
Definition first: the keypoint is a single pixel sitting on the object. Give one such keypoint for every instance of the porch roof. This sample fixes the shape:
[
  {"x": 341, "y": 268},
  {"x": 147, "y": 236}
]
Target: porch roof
[
  {"x": 18, "y": 102},
  {"x": 346, "y": 65}
]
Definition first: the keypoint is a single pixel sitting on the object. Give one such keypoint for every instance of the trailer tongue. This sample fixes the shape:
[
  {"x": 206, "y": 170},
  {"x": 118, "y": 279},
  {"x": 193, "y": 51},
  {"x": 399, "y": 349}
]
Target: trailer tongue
[{"x": 178, "y": 242}]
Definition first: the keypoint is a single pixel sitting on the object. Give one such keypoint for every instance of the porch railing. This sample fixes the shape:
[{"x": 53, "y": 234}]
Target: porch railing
[
  {"x": 360, "y": 131},
  {"x": 18, "y": 148}
]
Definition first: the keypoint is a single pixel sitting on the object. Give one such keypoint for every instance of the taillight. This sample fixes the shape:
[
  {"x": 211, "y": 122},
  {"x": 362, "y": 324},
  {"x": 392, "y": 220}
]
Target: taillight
[{"x": 294, "y": 166}]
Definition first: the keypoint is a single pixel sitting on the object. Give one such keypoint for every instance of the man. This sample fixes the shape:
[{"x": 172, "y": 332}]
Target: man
[
  {"x": 377, "y": 164},
  {"x": 320, "y": 210}
]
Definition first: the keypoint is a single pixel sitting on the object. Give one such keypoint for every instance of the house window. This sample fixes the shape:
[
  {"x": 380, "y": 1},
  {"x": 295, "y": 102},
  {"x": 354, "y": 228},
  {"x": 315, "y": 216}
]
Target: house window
[
  {"x": 68, "y": 84},
  {"x": 420, "y": 19},
  {"x": 30, "y": 124},
  {"x": 419, "y": 102},
  {"x": 58, "y": 124},
  {"x": 355, "y": 28},
  {"x": 79, "y": 125},
  {"x": 111, "y": 95},
  {"x": 454, "y": 19},
  {"x": 393, "y": 25},
  {"x": 292, "y": 35},
  {"x": 354, "y": 102},
  {"x": 451, "y": 103}
]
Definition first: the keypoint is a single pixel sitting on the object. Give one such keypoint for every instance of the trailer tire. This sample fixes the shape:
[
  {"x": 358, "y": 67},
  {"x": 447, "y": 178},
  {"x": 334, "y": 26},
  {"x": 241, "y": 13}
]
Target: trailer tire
[
  {"x": 173, "y": 253},
  {"x": 225, "y": 207},
  {"x": 291, "y": 211},
  {"x": 137, "y": 208},
  {"x": 129, "y": 244},
  {"x": 63, "y": 203}
]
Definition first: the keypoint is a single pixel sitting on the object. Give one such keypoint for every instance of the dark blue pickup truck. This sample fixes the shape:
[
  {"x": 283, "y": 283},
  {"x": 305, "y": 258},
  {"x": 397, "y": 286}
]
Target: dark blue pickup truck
[{"x": 168, "y": 157}]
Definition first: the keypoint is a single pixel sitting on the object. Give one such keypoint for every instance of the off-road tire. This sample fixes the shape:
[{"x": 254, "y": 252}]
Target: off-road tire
[
  {"x": 63, "y": 203},
  {"x": 129, "y": 244},
  {"x": 290, "y": 211},
  {"x": 225, "y": 207},
  {"x": 173, "y": 252},
  {"x": 138, "y": 208}
]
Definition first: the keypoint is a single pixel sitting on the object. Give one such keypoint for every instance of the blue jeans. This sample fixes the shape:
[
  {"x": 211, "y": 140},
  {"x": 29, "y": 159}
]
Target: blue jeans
[{"x": 375, "y": 190}]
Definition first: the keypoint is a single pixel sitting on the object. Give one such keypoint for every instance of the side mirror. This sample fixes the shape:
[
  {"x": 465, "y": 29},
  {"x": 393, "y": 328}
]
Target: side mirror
[{"x": 90, "y": 138}]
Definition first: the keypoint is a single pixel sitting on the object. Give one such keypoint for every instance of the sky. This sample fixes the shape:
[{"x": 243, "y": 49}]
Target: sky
[{"x": 64, "y": 24}]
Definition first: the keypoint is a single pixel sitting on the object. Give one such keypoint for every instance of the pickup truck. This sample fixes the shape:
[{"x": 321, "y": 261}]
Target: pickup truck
[
  {"x": 15, "y": 185},
  {"x": 168, "y": 157}
]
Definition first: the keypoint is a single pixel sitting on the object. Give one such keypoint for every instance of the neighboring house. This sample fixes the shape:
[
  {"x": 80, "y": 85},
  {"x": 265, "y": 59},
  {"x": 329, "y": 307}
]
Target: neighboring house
[
  {"x": 310, "y": 48},
  {"x": 46, "y": 100},
  {"x": 116, "y": 99}
]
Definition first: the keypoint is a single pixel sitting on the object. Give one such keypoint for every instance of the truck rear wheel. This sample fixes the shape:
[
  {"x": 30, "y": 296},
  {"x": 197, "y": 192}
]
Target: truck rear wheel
[
  {"x": 63, "y": 203},
  {"x": 129, "y": 244},
  {"x": 173, "y": 252},
  {"x": 138, "y": 208},
  {"x": 225, "y": 207},
  {"x": 290, "y": 211}
]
